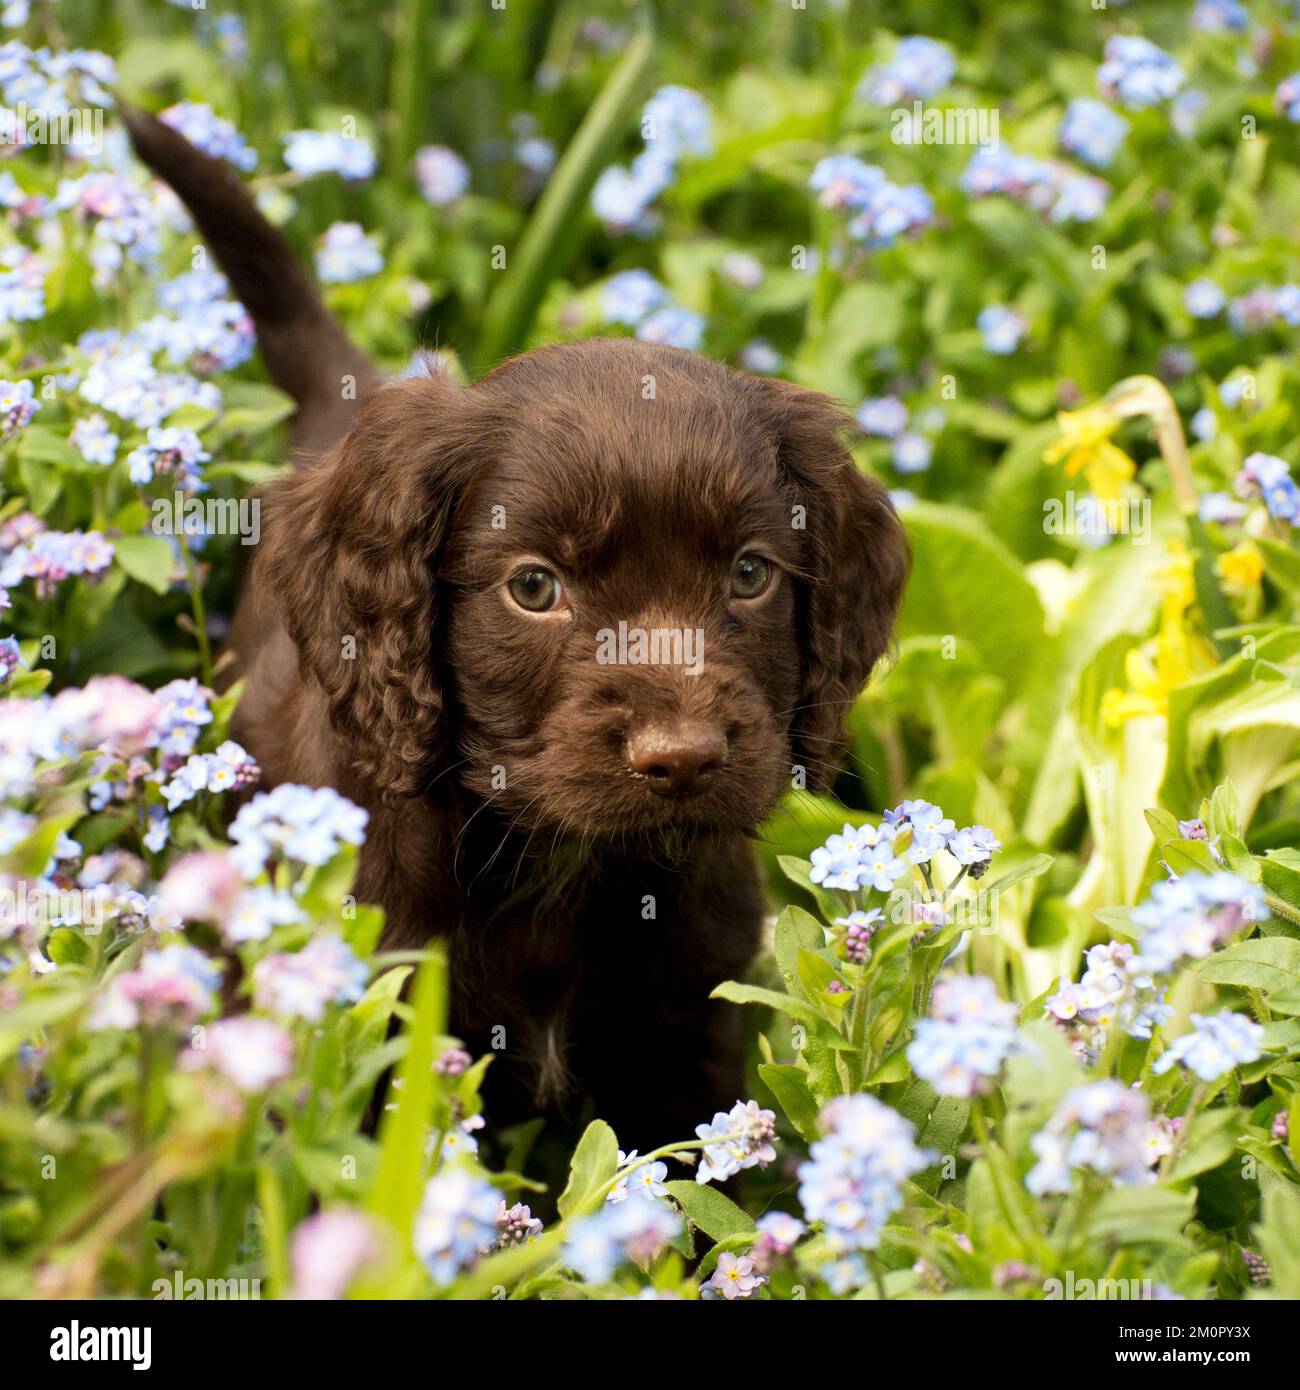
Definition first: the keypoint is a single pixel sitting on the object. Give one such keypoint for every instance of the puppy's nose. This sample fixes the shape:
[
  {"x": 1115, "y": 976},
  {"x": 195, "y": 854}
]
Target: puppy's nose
[{"x": 677, "y": 761}]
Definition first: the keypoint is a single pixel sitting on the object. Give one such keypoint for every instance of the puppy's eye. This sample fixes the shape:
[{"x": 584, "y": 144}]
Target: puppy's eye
[
  {"x": 535, "y": 590},
  {"x": 750, "y": 576}
]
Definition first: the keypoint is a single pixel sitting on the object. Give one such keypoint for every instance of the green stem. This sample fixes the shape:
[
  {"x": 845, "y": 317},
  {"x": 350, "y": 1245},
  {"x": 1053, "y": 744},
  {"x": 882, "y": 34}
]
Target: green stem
[
  {"x": 664, "y": 1151},
  {"x": 196, "y": 607},
  {"x": 236, "y": 1191},
  {"x": 1180, "y": 1139},
  {"x": 979, "y": 1124},
  {"x": 409, "y": 94},
  {"x": 1281, "y": 907}
]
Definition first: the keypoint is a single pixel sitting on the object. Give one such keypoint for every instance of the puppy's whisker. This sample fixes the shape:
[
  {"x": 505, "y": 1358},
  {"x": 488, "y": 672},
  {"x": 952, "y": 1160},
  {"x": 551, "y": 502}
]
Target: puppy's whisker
[
  {"x": 460, "y": 835},
  {"x": 505, "y": 838}
]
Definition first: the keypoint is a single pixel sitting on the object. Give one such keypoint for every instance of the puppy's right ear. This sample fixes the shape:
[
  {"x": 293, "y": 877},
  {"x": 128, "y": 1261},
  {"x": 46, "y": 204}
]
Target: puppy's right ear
[{"x": 353, "y": 544}]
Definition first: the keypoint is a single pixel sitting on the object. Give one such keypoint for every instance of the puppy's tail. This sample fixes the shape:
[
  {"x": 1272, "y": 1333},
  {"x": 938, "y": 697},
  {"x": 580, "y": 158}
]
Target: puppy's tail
[{"x": 306, "y": 352}]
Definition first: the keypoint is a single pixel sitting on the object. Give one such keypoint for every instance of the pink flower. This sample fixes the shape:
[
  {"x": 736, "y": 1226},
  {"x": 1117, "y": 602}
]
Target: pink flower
[
  {"x": 175, "y": 985},
  {"x": 734, "y": 1276},
  {"x": 330, "y": 1250},
  {"x": 251, "y": 1052},
  {"x": 122, "y": 713},
  {"x": 201, "y": 887}
]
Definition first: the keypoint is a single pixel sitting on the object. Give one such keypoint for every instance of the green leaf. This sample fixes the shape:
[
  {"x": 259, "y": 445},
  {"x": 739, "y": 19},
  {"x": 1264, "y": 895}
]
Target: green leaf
[
  {"x": 41, "y": 444},
  {"x": 404, "y": 1129},
  {"x": 789, "y": 1084},
  {"x": 1134, "y": 1215},
  {"x": 21, "y": 1023},
  {"x": 1278, "y": 1233},
  {"x": 30, "y": 856},
  {"x": 549, "y": 236},
  {"x": 1241, "y": 720},
  {"x": 1281, "y": 562},
  {"x": 893, "y": 1068},
  {"x": 798, "y": 1009},
  {"x": 147, "y": 559},
  {"x": 715, "y": 1214},
  {"x": 248, "y": 471},
  {"x": 328, "y": 886},
  {"x": 1185, "y": 855},
  {"x": 1211, "y": 1140},
  {"x": 1017, "y": 1208},
  {"x": 796, "y": 870},
  {"x": 1285, "y": 1001},
  {"x": 1264, "y": 963},
  {"x": 1042, "y": 1068},
  {"x": 42, "y": 481},
  {"x": 1281, "y": 879},
  {"x": 594, "y": 1163},
  {"x": 944, "y": 1129},
  {"x": 67, "y": 947},
  {"x": 1163, "y": 825},
  {"x": 816, "y": 975},
  {"x": 966, "y": 584},
  {"x": 249, "y": 407},
  {"x": 1225, "y": 811},
  {"x": 796, "y": 930},
  {"x": 1031, "y": 868}
]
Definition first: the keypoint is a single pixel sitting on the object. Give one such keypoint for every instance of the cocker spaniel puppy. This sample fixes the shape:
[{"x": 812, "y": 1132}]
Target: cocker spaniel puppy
[{"x": 567, "y": 634}]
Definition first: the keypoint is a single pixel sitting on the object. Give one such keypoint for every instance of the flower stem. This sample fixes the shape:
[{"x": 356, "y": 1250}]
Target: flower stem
[
  {"x": 1180, "y": 1139},
  {"x": 874, "y": 1266},
  {"x": 1144, "y": 395},
  {"x": 196, "y": 607}
]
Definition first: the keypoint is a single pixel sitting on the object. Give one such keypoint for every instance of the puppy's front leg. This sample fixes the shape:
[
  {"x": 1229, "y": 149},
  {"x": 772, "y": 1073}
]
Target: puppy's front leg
[{"x": 655, "y": 1051}]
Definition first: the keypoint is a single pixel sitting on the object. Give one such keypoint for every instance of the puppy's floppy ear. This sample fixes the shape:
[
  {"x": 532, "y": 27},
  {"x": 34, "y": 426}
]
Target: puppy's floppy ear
[
  {"x": 352, "y": 550},
  {"x": 858, "y": 560}
]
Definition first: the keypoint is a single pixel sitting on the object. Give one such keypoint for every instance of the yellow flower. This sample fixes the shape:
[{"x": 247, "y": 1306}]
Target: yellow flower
[
  {"x": 1155, "y": 668},
  {"x": 1085, "y": 445},
  {"x": 1176, "y": 580},
  {"x": 1242, "y": 566}
]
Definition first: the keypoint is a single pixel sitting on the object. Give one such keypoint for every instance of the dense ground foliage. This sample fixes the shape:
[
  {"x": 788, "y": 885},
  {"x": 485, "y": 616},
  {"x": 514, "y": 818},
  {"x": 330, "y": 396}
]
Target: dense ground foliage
[{"x": 1030, "y": 1020}]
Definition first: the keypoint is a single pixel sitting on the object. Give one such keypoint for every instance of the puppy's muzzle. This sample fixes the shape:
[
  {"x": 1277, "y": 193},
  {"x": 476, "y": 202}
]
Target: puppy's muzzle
[{"x": 676, "y": 760}]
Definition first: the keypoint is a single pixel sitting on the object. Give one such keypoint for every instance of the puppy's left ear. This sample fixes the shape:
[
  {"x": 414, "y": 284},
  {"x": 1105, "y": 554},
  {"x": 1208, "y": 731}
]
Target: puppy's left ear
[{"x": 857, "y": 565}]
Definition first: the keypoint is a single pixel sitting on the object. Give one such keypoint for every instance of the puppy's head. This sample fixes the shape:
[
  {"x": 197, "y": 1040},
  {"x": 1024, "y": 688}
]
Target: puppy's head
[{"x": 612, "y": 589}]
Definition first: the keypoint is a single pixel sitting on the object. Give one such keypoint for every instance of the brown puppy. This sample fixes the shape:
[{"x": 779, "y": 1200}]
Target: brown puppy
[{"x": 567, "y": 634}]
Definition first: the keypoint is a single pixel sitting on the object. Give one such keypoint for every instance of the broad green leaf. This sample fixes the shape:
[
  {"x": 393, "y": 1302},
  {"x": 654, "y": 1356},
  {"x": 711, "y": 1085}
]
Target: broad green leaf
[
  {"x": 1240, "y": 721},
  {"x": 796, "y": 870},
  {"x": 328, "y": 886},
  {"x": 796, "y": 930},
  {"x": 1264, "y": 963},
  {"x": 1278, "y": 1233},
  {"x": 1281, "y": 879},
  {"x": 595, "y": 1161},
  {"x": 1211, "y": 1140},
  {"x": 31, "y": 857},
  {"x": 1141, "y": 1214},
  {"x": 798, "y": 1009},
  {"x": 816, "y": 976},
  {"x": 716, "y": 1215},
  {"x": 147, "y": 559},
  {"x": 789, "y": 1084},
  {"x": 965, "y": 584},
  {"x": 42, "y": 444}
]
